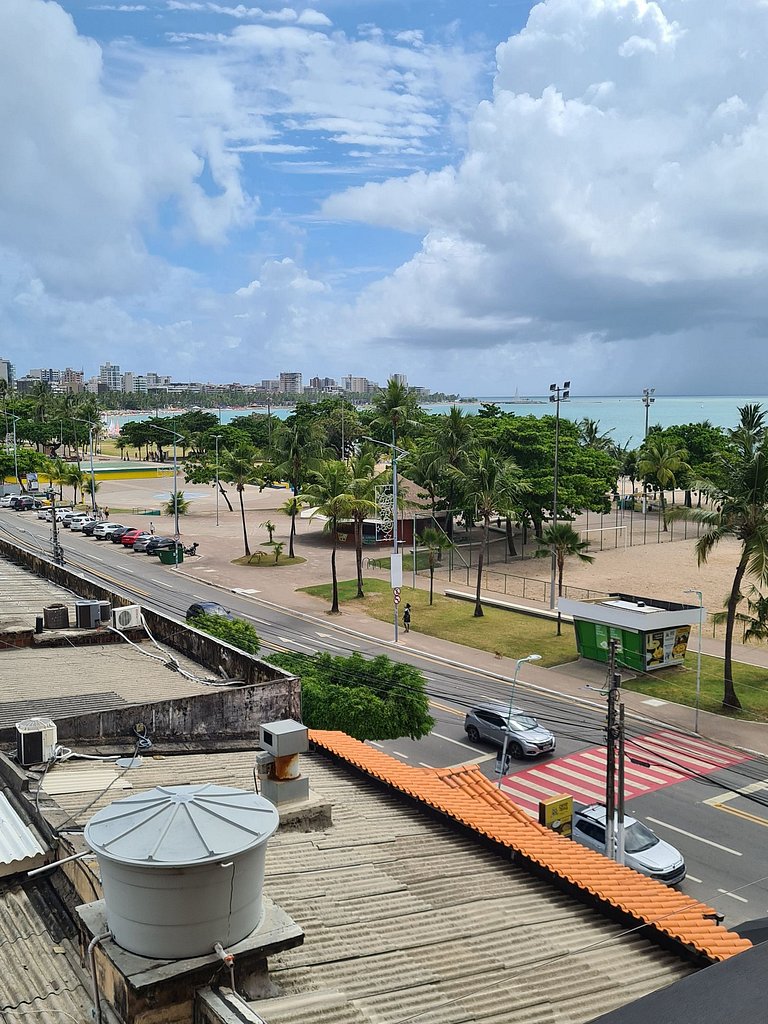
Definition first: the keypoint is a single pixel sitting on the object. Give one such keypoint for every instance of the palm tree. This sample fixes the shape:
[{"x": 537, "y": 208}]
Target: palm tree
[
  {"x": 176, "y": 504},
  {"x": 492, "y": 485},
  {"x": 57, "y": 472},
  {"x": 296, "y": 450},
  {"x": 328, "y": 493},
  {"x": 270, "y": 527},
  {"x": 591, "y": 437},
  {"x": 291, "y": 507},
  {"x": 435, "y": 541},
  {"x": 394, "y": 411},
  {"x": 362, "y": 483},
  {"x": 740, "y": 498},
  {"x": 660, "y": 461},
  {"x": 74, "y": 478},
  {"x": 238, "y": 467},
  {"x": 562, "y": 541}
]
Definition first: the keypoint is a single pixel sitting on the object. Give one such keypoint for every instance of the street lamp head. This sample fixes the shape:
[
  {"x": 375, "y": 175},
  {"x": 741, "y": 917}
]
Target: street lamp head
[{"x": 531, "y": 657}]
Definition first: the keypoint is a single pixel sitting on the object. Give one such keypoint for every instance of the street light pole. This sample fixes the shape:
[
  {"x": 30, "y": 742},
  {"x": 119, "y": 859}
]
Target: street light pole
[
  {"x": 648, "y": 399},
  {"x": 518, "y": 663},
  {"x": 700, "y": 596},
  {"x": 217, "y": 439},
  {"x": 166, "y": 430},
  {"x": 15, "y": 450},
  {"x": 91, "y": 428},
  {"x": 395, "y": 452},
  {"x": 558, "y": 393}
]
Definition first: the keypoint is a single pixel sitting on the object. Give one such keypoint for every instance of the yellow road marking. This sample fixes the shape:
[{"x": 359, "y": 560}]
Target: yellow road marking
[{"x": 742, "y": 814}]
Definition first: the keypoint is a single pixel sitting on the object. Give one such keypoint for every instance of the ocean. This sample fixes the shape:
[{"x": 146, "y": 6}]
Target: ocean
[{"x": 623, "y": 417}]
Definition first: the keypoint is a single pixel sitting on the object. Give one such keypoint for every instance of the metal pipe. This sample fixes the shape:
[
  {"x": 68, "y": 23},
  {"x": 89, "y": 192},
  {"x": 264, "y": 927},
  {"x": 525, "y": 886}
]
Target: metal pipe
[
  {"x": 55, "y": 863},
  {"x": 518, "y": 663},
  {"x": 217, "y": 439},
  {"x": 92, "y": 962},
  {"x": 698, "y": 658}
]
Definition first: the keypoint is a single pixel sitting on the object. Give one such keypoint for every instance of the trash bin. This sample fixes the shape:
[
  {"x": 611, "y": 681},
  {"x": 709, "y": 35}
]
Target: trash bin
[{"x": 168, "y": 556}]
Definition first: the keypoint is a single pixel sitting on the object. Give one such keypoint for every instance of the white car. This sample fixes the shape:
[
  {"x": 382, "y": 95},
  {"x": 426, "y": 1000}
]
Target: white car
[
  {"x": 76, "y": 525},
  {"x": 104, "y": 530},
  {"x": 643, "y": 850},
  {"x": 5, "y": 501}
]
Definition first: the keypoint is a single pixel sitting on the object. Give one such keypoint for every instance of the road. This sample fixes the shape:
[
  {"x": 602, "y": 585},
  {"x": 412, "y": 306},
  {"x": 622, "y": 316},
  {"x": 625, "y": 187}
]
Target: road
[{"x": 710, "y": 803}]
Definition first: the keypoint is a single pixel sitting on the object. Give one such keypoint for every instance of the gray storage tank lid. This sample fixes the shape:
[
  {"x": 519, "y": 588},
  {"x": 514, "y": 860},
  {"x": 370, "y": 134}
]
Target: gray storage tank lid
[{"x": 180, "y": 826}]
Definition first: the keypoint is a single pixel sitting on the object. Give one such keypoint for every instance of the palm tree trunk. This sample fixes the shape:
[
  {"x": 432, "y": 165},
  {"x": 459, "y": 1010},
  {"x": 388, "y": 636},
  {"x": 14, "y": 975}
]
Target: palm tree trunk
[
  {"x": 431, "y": 579},
  {"x": 292, "y": 534},
  {"x": 510, "y": 538},
  {"x": 359, "y": 556},
  {"x": 223, "y": 493},
  {"x": 478, "y": 603},
  {"x": 663, "y": 510},
  {"x": 242, "y": 513},
  {"x": 334, "y": 579},
  {"x": 730, "y": 700},
  {"x": 560, "y": 564}
]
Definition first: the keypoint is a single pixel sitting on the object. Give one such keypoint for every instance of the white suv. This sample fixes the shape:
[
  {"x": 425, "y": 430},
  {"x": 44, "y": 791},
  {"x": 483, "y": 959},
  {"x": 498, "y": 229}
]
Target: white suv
[
  {"x": 104, "y": 530},
  {"x": 643, "y": 850},
  {"x": 76, "y": 525}
]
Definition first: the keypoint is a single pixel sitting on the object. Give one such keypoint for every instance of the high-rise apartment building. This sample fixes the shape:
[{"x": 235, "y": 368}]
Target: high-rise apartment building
[
  {"x": 110, "y": 378},
  {"x": 134, "y": 383},
  {"x": 400, "y": 378},
  {"x": 358, "y": 385},
  {"x": 49, "y": 376},
  {"x": 72, "y": 380},
  {"x": 290, "y": 383},
  {"x": 7, "y": 374}
]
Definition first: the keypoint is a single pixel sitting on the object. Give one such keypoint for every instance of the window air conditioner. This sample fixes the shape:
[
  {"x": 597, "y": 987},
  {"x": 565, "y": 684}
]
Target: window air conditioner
[{"x": 127, "y": 618}]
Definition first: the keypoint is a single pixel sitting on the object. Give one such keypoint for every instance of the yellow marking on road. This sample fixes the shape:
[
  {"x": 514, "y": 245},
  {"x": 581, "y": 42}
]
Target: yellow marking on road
[
  {"x": 742, "y": 814},
  {"x": 721, "y": 801},
  {"x": 445, "y": 707}
]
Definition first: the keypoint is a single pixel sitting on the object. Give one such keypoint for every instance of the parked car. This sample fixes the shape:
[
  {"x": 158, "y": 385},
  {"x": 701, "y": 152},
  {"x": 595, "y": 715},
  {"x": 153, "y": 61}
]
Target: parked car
[
  {"x": 525, "y": 737},
  {"x": 24, "y": 503},
  {"x": 67, "y": 518},
  {"x": 61, "y": 513},
  {"x": 76, "y": 525},
  {"x": 207, "y": 608},
  {"x": 5, "y": 501},
  {"x": 117, "y": 535},
  {"x": 140, "y": 544},
  {"x": 130, "y": 537},
  {"x": 90, "y": 527},
  {"x": 643, "y": 850},
  {"x": 44, "y": 513},
  {"x": 104, "y": 530},
  {"x": 161, "y": 544}
]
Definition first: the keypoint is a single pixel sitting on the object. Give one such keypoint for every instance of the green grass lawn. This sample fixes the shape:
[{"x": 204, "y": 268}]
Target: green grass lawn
[
  {"x": 384, "y": 561},
  {"x": 500, "y": 632},
  {"x": 679, "y": 685}
]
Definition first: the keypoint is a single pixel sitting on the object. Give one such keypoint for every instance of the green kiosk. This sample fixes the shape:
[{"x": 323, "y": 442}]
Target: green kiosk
[{"x": 652, "y": 634}]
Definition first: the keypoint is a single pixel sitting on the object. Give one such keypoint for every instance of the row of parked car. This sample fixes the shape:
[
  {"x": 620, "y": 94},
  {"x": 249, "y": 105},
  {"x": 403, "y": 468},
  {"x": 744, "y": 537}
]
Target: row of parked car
[{"x": 84, "y": 522}]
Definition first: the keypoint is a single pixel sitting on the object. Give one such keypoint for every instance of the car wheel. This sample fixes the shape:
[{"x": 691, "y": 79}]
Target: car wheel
[
  {"x": 472, "y": 733},
  {"x": 515, "y": 750}
]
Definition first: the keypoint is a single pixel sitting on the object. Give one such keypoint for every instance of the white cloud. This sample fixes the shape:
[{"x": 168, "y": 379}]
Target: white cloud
[{"x": 613, "y": 188}]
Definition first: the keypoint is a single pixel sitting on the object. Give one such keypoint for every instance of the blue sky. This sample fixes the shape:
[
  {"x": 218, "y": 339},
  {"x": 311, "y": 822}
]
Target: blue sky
[{"x": 486, "y": 197}]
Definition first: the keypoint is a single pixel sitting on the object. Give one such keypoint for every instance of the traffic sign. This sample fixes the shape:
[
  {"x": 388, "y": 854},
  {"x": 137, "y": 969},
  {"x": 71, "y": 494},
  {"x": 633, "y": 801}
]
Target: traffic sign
[{"x": 396, "y": 594}]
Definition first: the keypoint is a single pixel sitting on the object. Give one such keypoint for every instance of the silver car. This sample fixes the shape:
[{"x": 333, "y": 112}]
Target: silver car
[
  {"x": 525, "y": 737},
  {"x": 79, "y": 522},
  {"x": 643, "y": 850}
]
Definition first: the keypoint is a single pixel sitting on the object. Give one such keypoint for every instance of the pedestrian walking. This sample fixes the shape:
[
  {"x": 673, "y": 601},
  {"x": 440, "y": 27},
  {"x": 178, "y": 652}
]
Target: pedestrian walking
[
  {"x": 106, "y": 511},
  {"x": 407, "y": 618},
  {"x": 152, "y": 529}
]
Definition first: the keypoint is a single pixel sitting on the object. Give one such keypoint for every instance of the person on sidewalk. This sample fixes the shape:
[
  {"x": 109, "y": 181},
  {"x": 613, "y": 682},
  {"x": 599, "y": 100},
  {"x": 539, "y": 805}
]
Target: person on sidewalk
[
  {"x": 152, "y": 529},
  {"x": 407, "y": 618}
]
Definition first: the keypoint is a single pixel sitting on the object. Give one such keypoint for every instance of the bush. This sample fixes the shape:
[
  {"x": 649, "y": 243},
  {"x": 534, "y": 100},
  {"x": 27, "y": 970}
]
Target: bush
[
  {"x": 232, "y": 631},
  {"x": 377, "y": 699}
]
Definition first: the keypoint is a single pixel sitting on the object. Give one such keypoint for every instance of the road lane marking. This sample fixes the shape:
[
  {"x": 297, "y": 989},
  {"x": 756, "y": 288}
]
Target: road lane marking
[
  {"x": 96, "y": 558},
  {"x": 733, "y": 895},
  {"x": 692, "y": 835},
  {"x": 446, "y": 707},
  {"x": 423, "y": 764},
  {"x": 398, "y": 754},
  {"x": 457, "y": 742},
  {"x": 742, "y": 814},
  {"x": 161, "y": 584},
  {"x": 693, "y": 878},
  {"x": 375, "y": 744}
]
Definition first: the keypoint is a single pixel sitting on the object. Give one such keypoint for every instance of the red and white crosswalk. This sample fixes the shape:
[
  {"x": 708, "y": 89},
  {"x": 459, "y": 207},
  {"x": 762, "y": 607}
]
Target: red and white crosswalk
[{"x": 651, "y": 762}]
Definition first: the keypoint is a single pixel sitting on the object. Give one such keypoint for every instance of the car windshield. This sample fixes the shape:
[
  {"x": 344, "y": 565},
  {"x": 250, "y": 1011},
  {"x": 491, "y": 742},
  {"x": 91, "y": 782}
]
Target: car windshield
[
  {"x": 522, "y": 723},
  {"x": 638, "y": 838}
]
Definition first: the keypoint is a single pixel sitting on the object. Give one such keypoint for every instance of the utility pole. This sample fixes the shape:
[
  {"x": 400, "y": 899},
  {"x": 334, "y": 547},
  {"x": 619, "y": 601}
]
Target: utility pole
[
  {"x": 57, "y": 549},
  {"x": 558, "y": 393},
  {"x": 620, "y": 795},
  {"x": 648, "y": 399},
  {"x": 612, "y": 733}
]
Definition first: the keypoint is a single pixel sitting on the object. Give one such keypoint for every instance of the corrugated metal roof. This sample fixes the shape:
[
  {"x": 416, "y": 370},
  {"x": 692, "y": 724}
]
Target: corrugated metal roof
[
  {"x": 38, "y": 977},
  {"x": 19, "y": 848},
  {"x": 465, "y": 795}
]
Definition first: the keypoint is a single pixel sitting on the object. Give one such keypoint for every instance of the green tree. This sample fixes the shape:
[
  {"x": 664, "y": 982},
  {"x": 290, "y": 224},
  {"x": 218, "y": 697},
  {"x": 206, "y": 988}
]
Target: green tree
[
  {"x": 562, "y": 541},
  {"x": 591, "y": 436},
  {"x": 739, "y": 493},
  {"x": 328, "y": 494},
  {"x": 238, "y": 467},
  {"x": 493, "y": 485},
  {"x": 235, "y": 632},
  {"x": 270, "y": 527},
  {"x": 291, "y": 507},
  {"x": 277, "y": 551},
  {"x": 176, "y": 503},
  {"x": 76, "y": 479},
  {"x": 377, "y": 699},
  {"x": 659, "y": 461},
  {"x": 296, "y": 452},
  {"x": 436, "y": 542},
  {"x": 395, "y": 412},
  {"x": 362, "y": 484}
]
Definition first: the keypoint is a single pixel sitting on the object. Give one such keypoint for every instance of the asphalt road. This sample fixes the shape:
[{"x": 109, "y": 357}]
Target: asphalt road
[{"x": 717, "y": 819}]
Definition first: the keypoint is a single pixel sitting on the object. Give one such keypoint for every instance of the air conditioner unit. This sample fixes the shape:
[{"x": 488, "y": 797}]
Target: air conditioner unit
[
  {"x": 36, "y": 740},
  {"x": 127, "y": 618},
  {"x": 87, "y": 614},
  {"x": 105, "y": 612}
]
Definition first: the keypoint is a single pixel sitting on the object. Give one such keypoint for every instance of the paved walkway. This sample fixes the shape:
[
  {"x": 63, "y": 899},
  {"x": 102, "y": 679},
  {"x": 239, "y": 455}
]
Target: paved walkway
[{"x": 221, "y": 545}]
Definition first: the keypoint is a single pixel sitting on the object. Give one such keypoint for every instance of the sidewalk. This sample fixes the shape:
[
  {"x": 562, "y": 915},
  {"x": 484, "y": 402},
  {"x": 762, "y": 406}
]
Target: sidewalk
[{"x": 221, "y": 545}]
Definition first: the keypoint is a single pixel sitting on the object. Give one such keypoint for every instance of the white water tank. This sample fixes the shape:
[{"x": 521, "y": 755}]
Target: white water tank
[{"x": 182, "y": 867}]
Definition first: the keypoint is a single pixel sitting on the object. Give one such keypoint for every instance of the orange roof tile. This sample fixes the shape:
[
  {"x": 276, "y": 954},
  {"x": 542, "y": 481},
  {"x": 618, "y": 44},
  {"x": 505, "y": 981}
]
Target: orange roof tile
[{"x": 467, "y": 796}]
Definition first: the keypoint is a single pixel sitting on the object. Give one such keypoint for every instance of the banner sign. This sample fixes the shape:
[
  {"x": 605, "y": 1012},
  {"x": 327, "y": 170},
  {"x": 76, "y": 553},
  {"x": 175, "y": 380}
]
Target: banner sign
[{"x": 385, "y": 511}]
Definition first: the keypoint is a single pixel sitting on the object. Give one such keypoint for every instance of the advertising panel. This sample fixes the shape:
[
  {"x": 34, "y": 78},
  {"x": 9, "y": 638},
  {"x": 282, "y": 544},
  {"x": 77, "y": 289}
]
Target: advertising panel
[
  {"x": 666, "y": 647},
  {"x": 557, "y": 814}
]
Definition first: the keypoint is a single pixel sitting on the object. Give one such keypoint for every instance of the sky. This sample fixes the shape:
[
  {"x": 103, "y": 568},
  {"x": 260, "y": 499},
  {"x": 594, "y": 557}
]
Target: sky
[{"x": 487, "y": 197}]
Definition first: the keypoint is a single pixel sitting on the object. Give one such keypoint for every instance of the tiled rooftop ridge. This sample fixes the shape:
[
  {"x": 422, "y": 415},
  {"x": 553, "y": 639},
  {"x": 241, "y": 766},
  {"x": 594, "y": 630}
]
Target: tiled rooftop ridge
[{"x": 468, "y": 797}]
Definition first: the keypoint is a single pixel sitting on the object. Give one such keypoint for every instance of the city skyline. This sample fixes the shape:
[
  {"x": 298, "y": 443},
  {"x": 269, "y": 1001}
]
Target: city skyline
[{"x": 490, "y": 197}]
